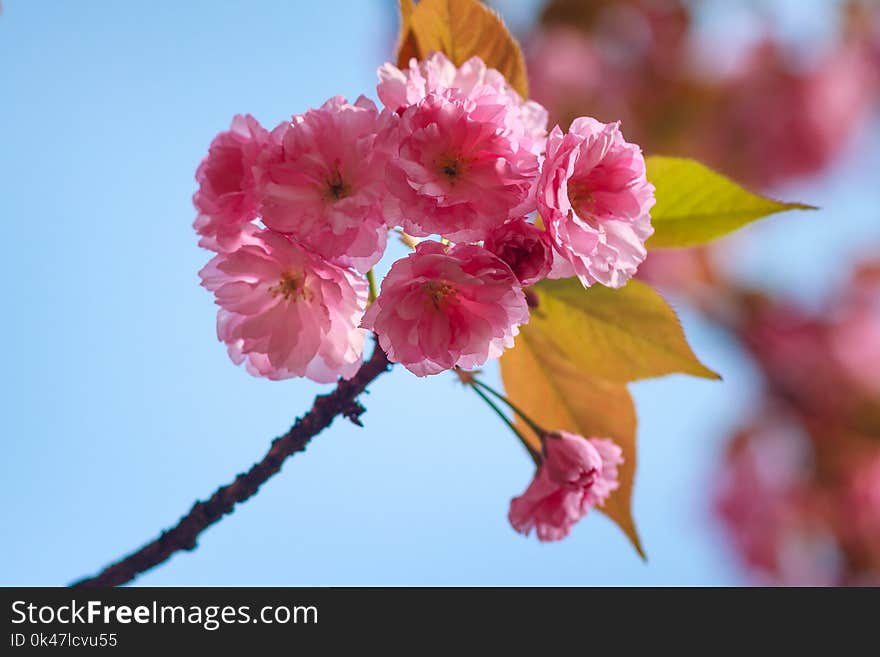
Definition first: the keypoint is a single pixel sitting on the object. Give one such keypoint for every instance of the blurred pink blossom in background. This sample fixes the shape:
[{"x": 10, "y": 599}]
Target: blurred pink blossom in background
[{"x": 798, "y": 486}]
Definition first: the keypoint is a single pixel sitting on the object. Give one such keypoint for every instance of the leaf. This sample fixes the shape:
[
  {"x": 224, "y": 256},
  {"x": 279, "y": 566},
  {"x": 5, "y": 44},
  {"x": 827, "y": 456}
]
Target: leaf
[
  {"x": 696, "y": 205},
  {"x": 407, "y": 47},
  {"x": 557, "y": 396},
  {"x": 461, "y": 29},
  {"x": 621, "y": 335}
]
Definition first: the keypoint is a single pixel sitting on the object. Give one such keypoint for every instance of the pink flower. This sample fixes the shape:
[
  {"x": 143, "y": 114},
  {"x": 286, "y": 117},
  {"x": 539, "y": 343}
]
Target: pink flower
[
  {"x": 607, "y": 481},
  {"x": 459, "y": 172},
  {"x": 399, "y": 89},
  {"x": 577, "y": 473},
  {"x": 856, "y": 345},
  {"x": 524, "y": 247},
  {"x": 324, "y": 181},
  {"x": 774, "y": 513},
  {"x": 862, "y": 503},
  {"x": 568, "y": 71},
  {"x": 548, "y": 508},
  {"x": 595, "y": 200},
  {"x": 441, "y": 307},
  {"x": 286, "y": 311},
  {"x": 779, "y": 122},
  {"x": 227, "y": 195},
  {"x": 855, "y": 336},
  {"x": 688, "y": 271}
]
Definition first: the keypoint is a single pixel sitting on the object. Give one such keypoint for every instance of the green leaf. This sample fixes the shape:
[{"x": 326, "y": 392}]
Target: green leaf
[
  {"x": 557, "y": 396},
  {"x": 696, "y": 205},
  {"x": 619, "y": 335},
  {"x": 461, "y": 29}
]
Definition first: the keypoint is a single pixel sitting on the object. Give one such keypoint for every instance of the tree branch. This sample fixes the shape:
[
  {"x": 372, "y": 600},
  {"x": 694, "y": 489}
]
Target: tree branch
[{"x": 342, "y": 401}]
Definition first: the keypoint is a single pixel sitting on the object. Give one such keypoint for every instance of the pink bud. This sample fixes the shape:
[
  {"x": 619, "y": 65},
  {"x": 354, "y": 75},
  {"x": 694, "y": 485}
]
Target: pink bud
[
  {"x": 524, "y": 247},
  {"x": 577, "y": 474}
]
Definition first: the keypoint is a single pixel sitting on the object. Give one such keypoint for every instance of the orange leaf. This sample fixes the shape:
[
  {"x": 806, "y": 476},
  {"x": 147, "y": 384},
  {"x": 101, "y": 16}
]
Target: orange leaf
[
  {"x": 461, "y": 29},
  {"x": 407, "y": 47},
  {"x": 557, "y": 396}
]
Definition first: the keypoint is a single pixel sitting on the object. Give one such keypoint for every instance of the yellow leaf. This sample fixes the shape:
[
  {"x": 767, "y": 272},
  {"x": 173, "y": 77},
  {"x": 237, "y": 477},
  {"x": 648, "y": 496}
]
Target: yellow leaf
[
  {"x": 557, "y": 396},
  {"x": 695, "y": 205},
  {"x": 620, "y": 335},
  {"x": 461, "y": 29}
]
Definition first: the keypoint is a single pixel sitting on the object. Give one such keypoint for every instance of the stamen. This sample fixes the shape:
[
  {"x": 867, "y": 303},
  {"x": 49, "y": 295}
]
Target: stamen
[
  {"x": 451, "y": 166},
  {"x": 337, "y": 188},
  {"x": 290, "y": 286},
  {"x": 437, "y": 294},
  {"x": 581, "y": 198}
]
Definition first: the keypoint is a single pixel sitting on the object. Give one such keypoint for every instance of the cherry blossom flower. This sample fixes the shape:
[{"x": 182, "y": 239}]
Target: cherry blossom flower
[
  {"x": 769, "y": 511},
  {"x": 398, "y": 89},
  {"x": 458, "y": 171},
  {"x": 595, "y": 199},
  {"x": 286, "y": 311},
  {"x": 577, "y": 473},
  {"x": 855, "y": 337},
  {"x": 524, "y": 247},
  {"x": 323, "y": 181},
  {"x": 567, "y": 71},
  {"x": 548, "y": 508},
  {"x": 444, "y": 307},
  {"x": 777, "y": 122},
  {"x": 799, "y": 489},
  {"x": 861, "y": 522},
  {"x": 227, "y": 196}
]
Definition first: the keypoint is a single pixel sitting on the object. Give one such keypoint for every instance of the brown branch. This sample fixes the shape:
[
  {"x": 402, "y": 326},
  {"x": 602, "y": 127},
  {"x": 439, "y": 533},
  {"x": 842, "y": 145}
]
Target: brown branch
[{"x": 342, "y": 401}]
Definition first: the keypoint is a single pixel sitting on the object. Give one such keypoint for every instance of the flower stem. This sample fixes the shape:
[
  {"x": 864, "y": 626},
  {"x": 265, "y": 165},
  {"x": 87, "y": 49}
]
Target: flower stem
[
  {"x": 511, "y": 426},
  {"x": 525, "y": 418},
  {"x": 371, "y": 280}
]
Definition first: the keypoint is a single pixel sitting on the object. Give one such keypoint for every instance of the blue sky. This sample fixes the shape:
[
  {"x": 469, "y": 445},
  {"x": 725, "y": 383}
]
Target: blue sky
[{"x": 120, "y": 408}]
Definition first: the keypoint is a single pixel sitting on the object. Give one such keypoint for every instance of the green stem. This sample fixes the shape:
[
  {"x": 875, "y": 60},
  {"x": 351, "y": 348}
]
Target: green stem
[
  {"x": 510, "y": 424},
  {"x": 371, "y": 280},
  {"x": 525, "y": 418}
]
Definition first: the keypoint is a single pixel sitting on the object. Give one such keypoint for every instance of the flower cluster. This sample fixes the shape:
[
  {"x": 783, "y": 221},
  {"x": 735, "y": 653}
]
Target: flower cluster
[
  {"x": 798, "y": 491},
  {"x": 298, "y": 215}
]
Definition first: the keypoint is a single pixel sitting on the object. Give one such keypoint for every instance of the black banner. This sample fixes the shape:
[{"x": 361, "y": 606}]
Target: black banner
[{"x": 124, "y": 621}]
